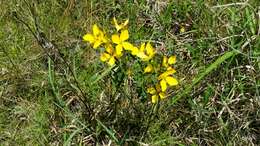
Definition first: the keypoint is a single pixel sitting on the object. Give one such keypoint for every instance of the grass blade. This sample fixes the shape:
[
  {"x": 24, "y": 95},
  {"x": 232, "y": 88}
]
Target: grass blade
[
  {"x": 109, "y": 132},
  {"x": 68, "y": 141},
  {"x": 203, "y": 74},
  {"x": 99, "y": 77}
]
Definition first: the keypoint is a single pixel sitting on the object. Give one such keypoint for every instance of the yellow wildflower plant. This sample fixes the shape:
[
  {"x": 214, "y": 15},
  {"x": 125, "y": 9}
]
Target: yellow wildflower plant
[
  {"x": 121, "y": 42},
  {"x": 108, "y": 56},
  {"x": 146, "y": 51},
  {"x": 166, "y": 79},
  {"x": 113, "y": 48},
  {"x": 120, "y": 26},
  {"x": 156, "y": 93},
  {"x": 97, "y": 38}
]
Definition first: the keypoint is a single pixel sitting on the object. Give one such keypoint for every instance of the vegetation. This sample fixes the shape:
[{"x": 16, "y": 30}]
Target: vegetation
[{"x": 55, "y": 90}]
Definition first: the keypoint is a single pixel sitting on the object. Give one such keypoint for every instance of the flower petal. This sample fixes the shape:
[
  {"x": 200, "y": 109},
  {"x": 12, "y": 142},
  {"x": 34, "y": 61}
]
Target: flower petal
[
  {"x": 142, "y": 47},
  {"x": 151, "y": 90},
  {"x": 170, "y": 71},
  {"x": 135, "y": 51},
  {"x": 116, "y": 39},
  {"x": 149, "y": 49},
  {"x": 127, "y": 46},
  {"x": 116, "y": 24},
  {"x": 148, "y": 69},
  {"x": 165, "y": 60},
  {"x": 182, "y": 30},
  {"x": 166, "y": 73},
  {"x": 97, "y": 43},
  {"x": 154, "y": 99},
  {"x": 162, "y": 95},
  {"x": 121, "y": 26},
  {"x": 104, "y": 57},
  {"x": 103, "y": 38},
  {"x": 124, "y": 35},
  {"x": 126, "y": 22},
  {"x": 171, "y": 81},
  {"x": 172, "y": 60},
  {"x": 119, "y": 50},
  {"x": 96, "y": 30},
  {"x": 112, "y": 61},
  {"x": 141, "y": 55},
  {"x": 89, "y": 37},
  {"x": 163, "y": 85}
]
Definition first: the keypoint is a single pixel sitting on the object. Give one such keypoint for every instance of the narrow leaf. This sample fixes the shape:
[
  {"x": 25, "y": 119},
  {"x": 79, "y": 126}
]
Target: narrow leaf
[{"x": 203, "y": 74}]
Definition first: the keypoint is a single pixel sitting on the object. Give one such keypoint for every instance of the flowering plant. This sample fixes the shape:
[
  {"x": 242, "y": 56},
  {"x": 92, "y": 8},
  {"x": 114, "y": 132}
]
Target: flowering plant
[{"x": 119, "y": 46}]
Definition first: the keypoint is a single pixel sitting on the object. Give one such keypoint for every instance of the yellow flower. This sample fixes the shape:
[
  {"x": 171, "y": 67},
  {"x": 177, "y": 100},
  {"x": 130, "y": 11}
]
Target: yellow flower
[
  {"x": 121, "y": 42},
  {"x": 182, "y": 29},
  {"x": 148, "y": 69},
  {"x": 146, "y": 52},
  {"x": 156, "y": 93},
  {"x": 121, "y": 26},
  {"x": 97, "y": 38},
  {"x": 108, "y": 56},
  {"x": 166, "y": 79},
  {"x": 168, "y": 61}
]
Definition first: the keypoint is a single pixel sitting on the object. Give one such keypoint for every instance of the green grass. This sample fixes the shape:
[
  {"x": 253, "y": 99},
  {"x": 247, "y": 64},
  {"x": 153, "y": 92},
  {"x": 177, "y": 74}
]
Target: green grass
[{"x": 68, "y": 97}]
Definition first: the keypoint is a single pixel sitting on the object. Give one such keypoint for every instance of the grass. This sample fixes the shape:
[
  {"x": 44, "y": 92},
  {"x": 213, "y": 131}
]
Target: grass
[{"x": 66, "y": 96}]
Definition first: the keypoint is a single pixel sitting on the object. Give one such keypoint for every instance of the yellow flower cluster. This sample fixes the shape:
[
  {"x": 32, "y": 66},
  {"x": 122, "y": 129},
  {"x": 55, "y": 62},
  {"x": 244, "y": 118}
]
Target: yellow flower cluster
[
  {"x": 165, "y": 78},
  {"x": 118, "y": 44},
  {"x": 111, "y": 54}
]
